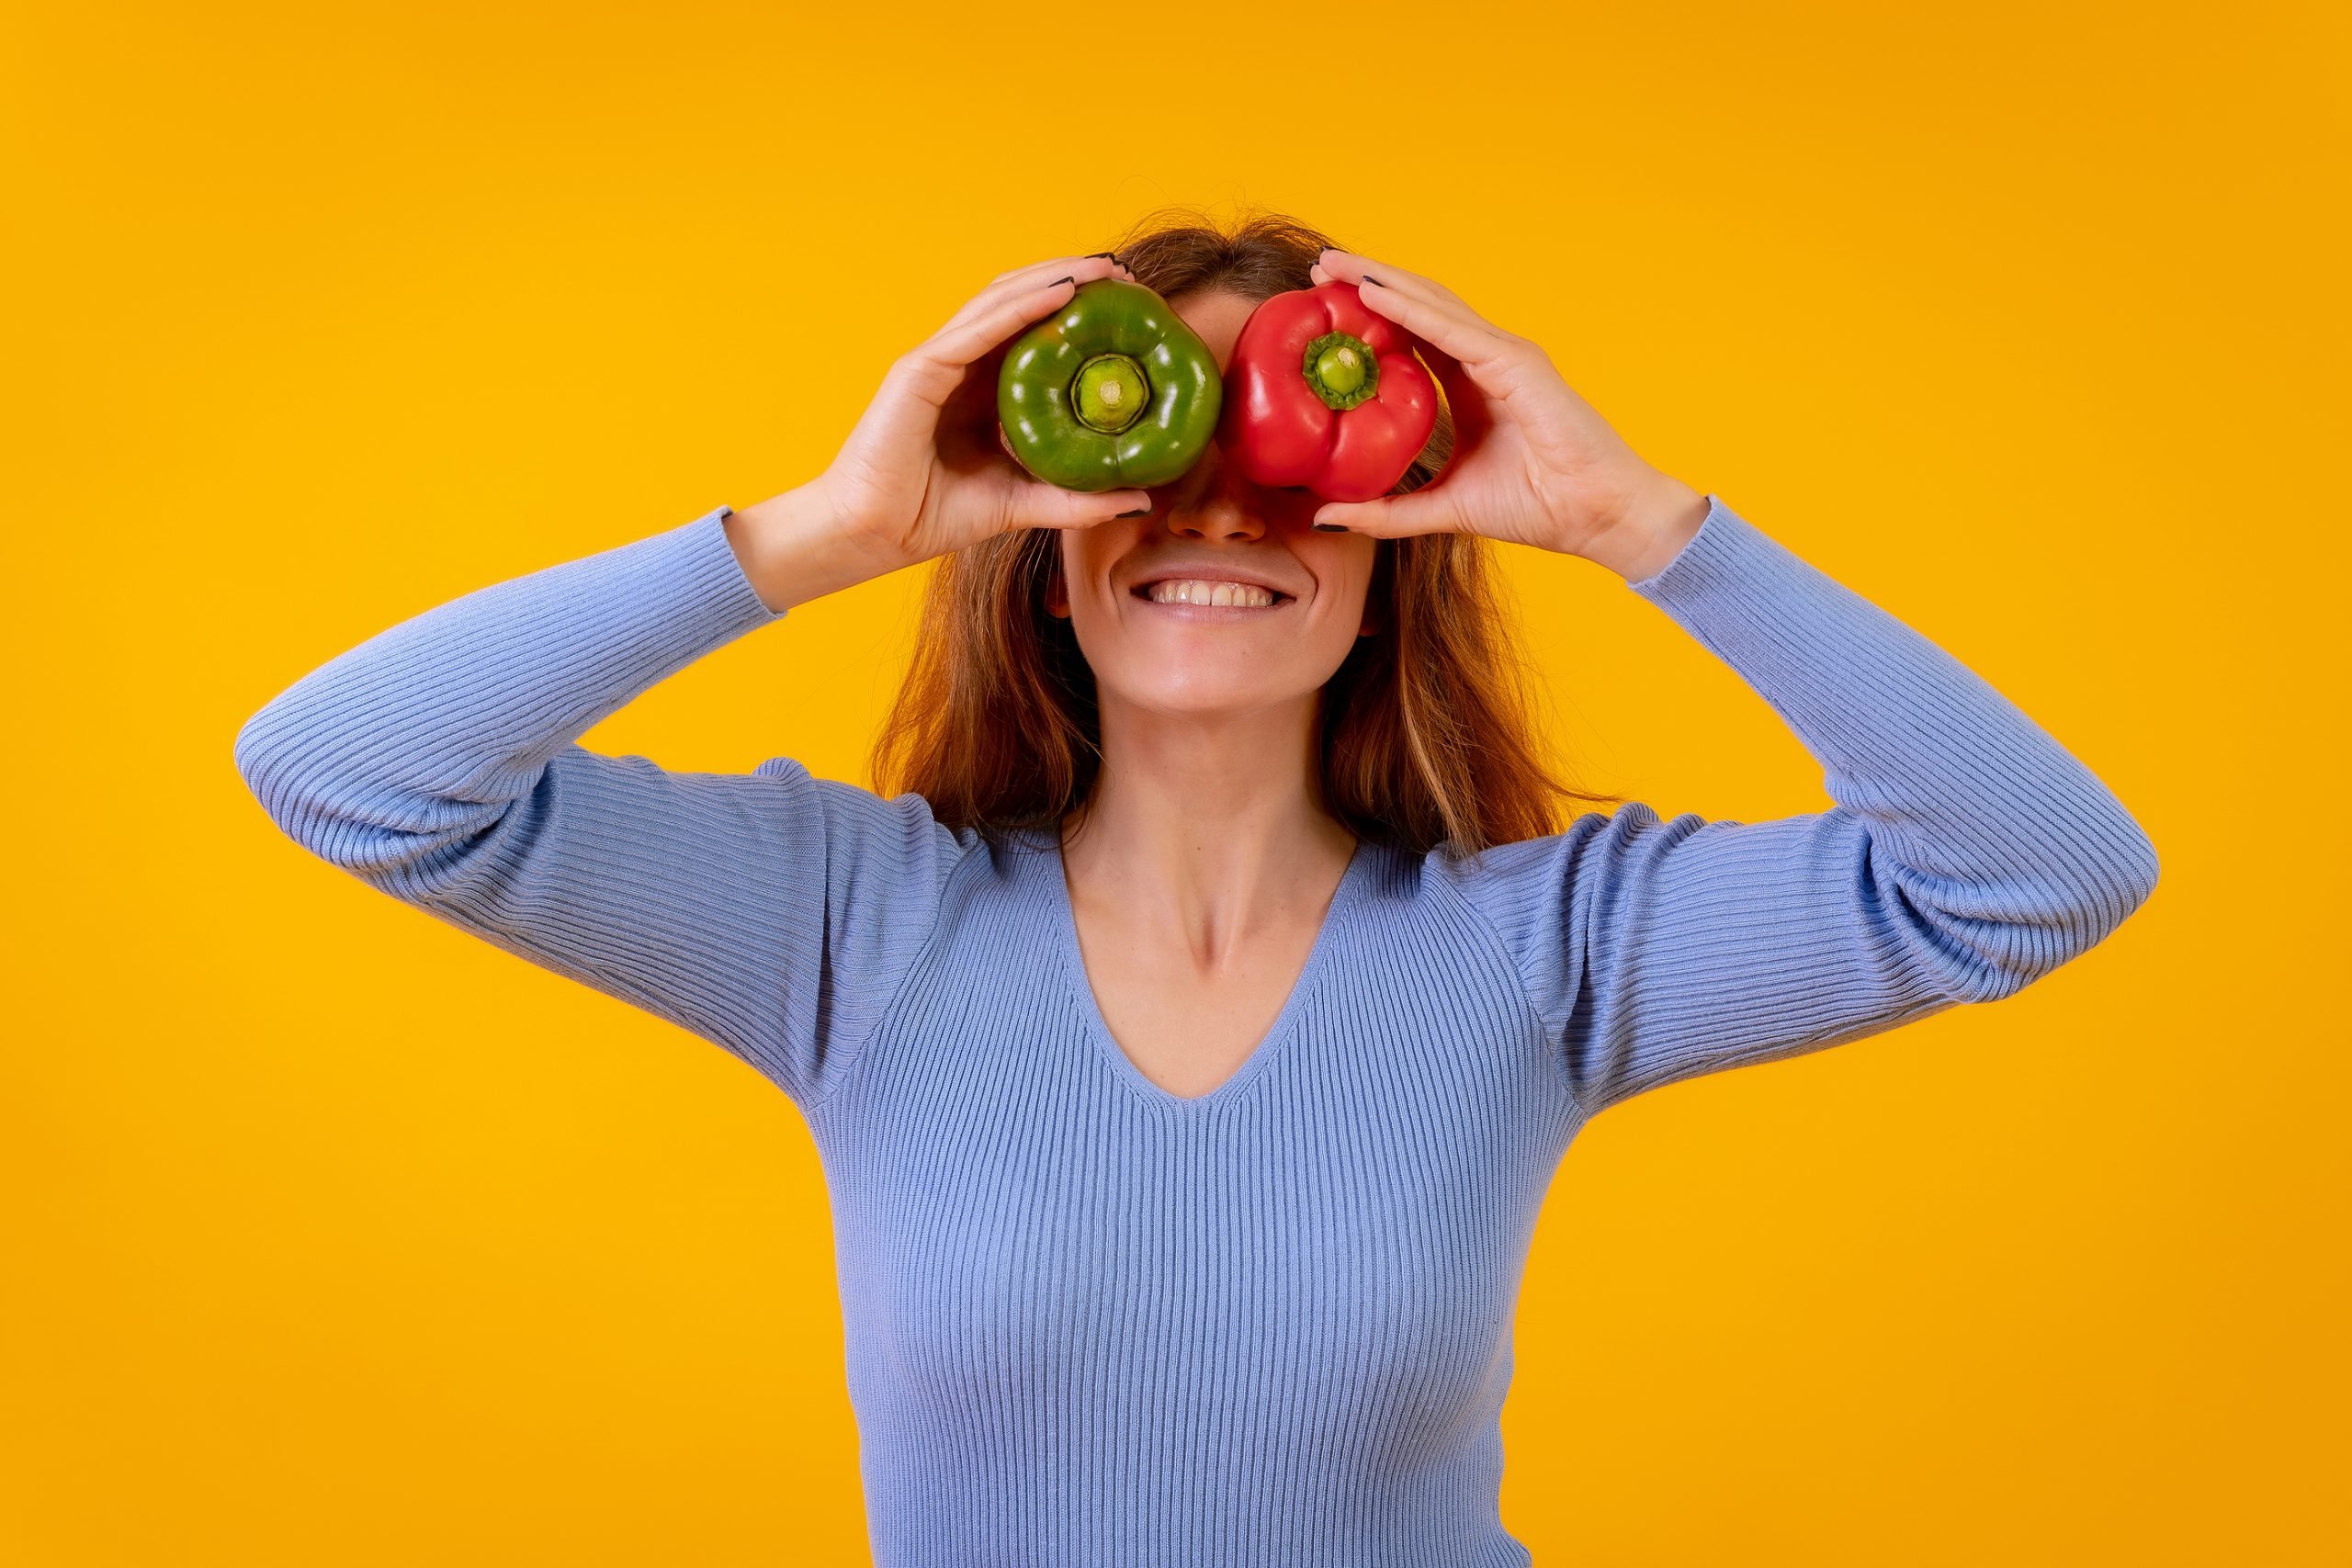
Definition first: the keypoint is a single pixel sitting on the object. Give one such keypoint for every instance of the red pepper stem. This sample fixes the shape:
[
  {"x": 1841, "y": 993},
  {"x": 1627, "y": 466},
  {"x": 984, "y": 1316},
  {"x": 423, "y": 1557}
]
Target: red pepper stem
[{"x": 1340, "y": 370}]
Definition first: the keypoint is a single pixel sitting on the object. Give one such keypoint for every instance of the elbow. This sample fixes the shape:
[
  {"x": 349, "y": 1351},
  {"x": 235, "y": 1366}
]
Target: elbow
[
  {"x": 2110, "y": 873},
  {"x": 306, "y": 785},
  {"x": 280, "y": 766},
  {"x": 284, "y": 761},
  {"x": 1995, "y": 945},
  {"x": 265, "y": 747},
  {"x": 2136, "y": 870}
]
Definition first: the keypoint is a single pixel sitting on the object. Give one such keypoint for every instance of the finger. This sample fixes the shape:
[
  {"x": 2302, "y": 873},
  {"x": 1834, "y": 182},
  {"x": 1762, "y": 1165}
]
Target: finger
[
  {"x": 938, "y": 362},
  {"x": 1054, "y": 267},
  {"x": 1079, "y": 269},
  {"x": 1039, "y": 505},
  {"x": 1427, "y": 511},
  {"x": 1438, "y": 313},
  {"x": 1467, "y": 402},
  {"x": 1060, "y": 263},
  {"x": 1454, "y": 329},
  {"x": 1351, "y": 265},
  {"x": 1474, "y": 394}
]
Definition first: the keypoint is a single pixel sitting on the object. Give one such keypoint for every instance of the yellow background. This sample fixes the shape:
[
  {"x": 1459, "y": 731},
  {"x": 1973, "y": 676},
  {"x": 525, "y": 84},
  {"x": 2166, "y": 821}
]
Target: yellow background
[{"x": 334, "y": 1236}]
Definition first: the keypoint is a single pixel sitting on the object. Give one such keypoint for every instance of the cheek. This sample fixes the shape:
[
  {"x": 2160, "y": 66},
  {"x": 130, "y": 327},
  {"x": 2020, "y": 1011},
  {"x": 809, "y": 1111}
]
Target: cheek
[
  {"x": 1082, "y": 568},
  {"x": 1087, "y": 556},
  {"x": 1342, "y": 565}
]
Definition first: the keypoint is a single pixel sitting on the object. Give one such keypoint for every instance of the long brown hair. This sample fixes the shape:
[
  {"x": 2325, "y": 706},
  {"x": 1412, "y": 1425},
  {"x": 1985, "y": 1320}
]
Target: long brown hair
[{"x": 1427, "y": 735}]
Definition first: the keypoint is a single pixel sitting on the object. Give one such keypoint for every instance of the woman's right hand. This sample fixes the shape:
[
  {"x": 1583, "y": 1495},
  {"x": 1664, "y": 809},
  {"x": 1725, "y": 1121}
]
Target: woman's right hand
[{"x": 922, "y": 472}]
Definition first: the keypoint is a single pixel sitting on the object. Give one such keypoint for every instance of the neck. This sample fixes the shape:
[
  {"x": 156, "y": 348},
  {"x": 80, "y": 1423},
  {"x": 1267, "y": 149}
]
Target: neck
[{"x": 1208, "y": 831}]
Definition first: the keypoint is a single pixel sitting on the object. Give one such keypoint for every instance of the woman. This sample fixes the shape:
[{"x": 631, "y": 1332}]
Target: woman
[{"x": 1190, "y": 1045}]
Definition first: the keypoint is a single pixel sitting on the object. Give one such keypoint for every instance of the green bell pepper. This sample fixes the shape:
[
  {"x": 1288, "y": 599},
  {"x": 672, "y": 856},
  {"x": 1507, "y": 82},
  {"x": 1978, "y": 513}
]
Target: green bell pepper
[{"x": 1115, "y": 391}]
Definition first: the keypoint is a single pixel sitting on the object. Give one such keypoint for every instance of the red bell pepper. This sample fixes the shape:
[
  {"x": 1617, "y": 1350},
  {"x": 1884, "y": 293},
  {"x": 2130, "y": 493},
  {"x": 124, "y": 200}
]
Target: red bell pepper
[{"x": 1321, "y": 392}]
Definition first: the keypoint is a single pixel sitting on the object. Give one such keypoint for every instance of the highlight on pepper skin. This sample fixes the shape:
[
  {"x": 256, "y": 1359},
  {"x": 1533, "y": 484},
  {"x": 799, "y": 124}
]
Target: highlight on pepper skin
[{"x": 1114, "y": 391}]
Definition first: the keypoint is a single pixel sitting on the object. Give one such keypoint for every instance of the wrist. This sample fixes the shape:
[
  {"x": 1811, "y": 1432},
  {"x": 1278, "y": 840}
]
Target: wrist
[
  {"x": 1643, "y": 536},
  {"x": 795, "y": 547}
]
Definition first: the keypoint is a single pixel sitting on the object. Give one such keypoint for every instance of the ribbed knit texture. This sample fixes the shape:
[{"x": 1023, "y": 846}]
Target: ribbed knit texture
[{"x": 1093, "y": 1325}]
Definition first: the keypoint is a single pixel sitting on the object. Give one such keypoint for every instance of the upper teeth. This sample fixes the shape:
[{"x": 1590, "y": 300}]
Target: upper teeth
[{"x": 1196, "y": 590}]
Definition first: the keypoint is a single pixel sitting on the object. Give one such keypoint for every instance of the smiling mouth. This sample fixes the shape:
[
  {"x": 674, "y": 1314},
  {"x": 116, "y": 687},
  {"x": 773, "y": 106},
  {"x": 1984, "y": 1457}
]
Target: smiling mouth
[{"x": 1207, "y": 594}]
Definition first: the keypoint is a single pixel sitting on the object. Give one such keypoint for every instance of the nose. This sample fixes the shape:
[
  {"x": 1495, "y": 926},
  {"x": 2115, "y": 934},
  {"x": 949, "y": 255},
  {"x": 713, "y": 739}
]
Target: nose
[{"x": 1211, "y": 502}]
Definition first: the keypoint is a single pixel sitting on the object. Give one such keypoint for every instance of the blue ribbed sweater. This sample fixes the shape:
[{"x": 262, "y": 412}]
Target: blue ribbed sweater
[{"x": 1093, "y": 1325}]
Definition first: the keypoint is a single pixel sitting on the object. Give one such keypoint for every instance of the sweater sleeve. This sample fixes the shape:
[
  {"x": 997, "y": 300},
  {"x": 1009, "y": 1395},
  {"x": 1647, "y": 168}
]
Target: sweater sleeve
[
  {"x": 1967, "y": 854},
  {"x": 773, "y": 913}
]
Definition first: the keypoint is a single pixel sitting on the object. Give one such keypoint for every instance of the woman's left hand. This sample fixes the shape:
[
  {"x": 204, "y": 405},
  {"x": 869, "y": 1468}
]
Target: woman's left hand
[{"x": 1533, "y": 463}]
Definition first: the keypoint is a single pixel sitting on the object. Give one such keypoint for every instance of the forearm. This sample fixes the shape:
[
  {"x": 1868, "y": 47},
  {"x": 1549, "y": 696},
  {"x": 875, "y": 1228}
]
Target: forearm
[{"x": 429, "y": 729}]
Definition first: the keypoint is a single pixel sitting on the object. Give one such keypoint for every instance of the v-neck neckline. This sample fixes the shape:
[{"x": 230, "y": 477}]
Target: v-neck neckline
[{"x": 1098, "y": 1028}]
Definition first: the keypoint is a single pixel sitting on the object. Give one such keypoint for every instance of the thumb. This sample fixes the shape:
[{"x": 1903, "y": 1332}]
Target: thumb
[
  {"x": 1040, "y": 505},
  {"x": 1393, "y": 516}
]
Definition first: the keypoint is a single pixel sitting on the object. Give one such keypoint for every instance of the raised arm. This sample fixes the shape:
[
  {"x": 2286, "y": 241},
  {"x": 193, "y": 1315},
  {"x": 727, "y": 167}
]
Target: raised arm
[
  {"x": 772, "y": 913},
  {"x": 1967, "y": 855},
  {"x": 769, "y": 912}
]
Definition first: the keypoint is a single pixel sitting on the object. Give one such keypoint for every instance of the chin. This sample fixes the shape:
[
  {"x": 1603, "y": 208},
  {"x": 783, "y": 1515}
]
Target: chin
[{"x": 1205, "y": 694}]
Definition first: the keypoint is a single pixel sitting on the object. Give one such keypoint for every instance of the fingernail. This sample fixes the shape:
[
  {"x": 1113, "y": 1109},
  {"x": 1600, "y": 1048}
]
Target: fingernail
[
  {"x": 1102, "y": 255},
  {"x": 1330, "y": 528},
  {"x": 1374, "y": 281},
  {"x": 1062, "y": 280},
  {"x": 1138, "y": 511}
]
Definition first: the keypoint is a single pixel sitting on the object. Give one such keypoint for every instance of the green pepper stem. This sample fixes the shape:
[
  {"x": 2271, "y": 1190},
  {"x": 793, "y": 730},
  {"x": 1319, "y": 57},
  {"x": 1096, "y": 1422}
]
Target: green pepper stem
[
  {"x": 1109, "y": 393},
  {"x": 1340, "y": 370}
]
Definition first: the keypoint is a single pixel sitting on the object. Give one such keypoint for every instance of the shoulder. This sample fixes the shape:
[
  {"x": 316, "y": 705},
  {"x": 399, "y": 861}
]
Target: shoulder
[
  {"x": 1537, "y": 898},
  {"x": 1502, "y": 878},
  {"x": 1499, "y": 898},
  {"x": 870, "y": 837}
]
